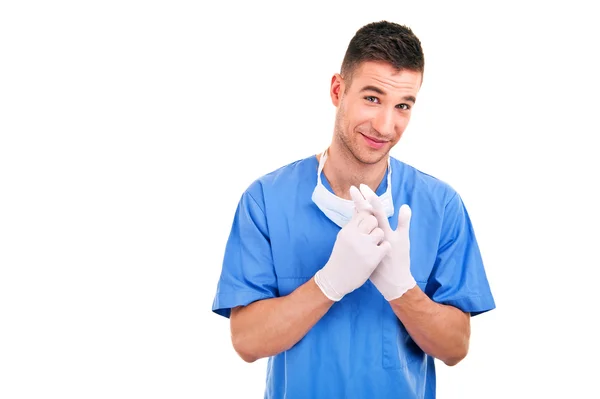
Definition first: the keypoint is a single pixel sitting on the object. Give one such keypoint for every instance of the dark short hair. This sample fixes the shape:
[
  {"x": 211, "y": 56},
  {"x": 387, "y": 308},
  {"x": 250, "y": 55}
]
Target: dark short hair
[{"x": 384, "y": 41}]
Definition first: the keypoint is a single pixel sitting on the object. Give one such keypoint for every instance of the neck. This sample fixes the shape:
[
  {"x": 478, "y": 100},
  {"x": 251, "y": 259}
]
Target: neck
[{"x": 343, "y": 170}]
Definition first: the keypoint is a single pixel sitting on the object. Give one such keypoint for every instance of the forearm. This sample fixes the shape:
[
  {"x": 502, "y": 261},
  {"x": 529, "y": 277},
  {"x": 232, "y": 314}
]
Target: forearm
[
  {"x": 441, "y": 331},
  {"x": 268, "y": 327}
]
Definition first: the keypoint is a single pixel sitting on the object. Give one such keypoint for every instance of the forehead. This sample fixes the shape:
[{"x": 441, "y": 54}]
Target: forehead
[{"x": 385, "y": 76}]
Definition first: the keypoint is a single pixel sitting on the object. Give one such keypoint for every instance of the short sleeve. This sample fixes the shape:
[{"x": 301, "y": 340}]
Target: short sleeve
[
  {"x": 458, "y": 277},
  {"x": 247, "y": 273}
]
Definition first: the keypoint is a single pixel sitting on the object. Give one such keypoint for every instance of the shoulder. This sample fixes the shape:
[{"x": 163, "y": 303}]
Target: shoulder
[
  {"x": 419, "y": 182},
  {"x": 285, "y": 179}
]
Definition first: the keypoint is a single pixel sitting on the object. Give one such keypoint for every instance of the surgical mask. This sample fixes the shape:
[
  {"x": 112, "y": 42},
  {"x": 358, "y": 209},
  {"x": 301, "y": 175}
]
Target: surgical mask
[{"x": 340, "y": 210}]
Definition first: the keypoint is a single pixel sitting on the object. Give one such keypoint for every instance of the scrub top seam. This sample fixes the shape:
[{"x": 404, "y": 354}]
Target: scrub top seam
[{"x": 257, "y": 204}]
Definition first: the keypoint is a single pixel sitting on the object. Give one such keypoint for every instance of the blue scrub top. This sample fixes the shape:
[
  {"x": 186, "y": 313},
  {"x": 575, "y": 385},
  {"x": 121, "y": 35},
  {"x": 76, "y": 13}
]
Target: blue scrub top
[{"x": 278, "y": 241}]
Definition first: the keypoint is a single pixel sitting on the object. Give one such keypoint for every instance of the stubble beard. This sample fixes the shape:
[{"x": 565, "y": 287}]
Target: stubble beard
[{"x": 350, "y": 148}]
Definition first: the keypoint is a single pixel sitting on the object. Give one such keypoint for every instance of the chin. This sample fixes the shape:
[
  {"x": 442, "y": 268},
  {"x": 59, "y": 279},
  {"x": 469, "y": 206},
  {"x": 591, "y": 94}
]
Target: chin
[{"x": 371, "y": 156}]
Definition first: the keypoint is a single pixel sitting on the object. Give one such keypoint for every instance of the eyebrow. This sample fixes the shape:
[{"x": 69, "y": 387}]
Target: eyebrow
[{"x": 381, "y": 92}]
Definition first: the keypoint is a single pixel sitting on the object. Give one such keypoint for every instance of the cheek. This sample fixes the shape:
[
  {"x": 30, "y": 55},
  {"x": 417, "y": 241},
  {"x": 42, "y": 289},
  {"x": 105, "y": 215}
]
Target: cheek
[
  {"x": 361, "y": 117},
  {"x": 401, "y": 125}
]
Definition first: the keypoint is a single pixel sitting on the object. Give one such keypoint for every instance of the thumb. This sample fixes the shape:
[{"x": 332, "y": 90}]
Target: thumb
[{"x": 404, "y": 215}]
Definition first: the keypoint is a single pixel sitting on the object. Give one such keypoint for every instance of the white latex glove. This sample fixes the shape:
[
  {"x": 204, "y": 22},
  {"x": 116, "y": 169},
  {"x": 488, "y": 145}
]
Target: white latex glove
[
  {"x": 358, "y": 249},
  {"x": 392, "y": 277}
]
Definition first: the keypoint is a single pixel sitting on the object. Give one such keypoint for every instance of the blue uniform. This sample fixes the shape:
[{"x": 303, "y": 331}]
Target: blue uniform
[{"x": 359, "y": 349}]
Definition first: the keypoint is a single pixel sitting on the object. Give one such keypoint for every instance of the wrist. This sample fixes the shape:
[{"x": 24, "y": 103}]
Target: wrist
[
  {"x": 392, "y": 291},
  {"x": 326, "y": 288},
  {"x": 400, "y": 291},
  {"x": 410, "y": 298}
]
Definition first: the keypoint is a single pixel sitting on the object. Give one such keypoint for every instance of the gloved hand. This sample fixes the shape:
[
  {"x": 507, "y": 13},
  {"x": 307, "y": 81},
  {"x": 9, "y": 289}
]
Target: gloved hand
[
  {"x": 392, "y": 277},
  {"x": 357, "y": 251}
]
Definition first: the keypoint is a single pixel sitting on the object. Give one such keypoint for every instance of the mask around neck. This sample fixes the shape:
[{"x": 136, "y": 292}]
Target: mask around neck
[{"x": 340, "y": 210}]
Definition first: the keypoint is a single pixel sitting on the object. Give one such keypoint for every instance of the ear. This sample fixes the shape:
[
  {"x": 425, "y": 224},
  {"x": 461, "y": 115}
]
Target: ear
[{"x": 336, "y": 89}]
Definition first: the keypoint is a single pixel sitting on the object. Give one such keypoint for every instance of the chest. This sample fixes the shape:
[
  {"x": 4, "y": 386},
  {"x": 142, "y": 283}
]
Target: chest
[{"x": 302, "y": 242}]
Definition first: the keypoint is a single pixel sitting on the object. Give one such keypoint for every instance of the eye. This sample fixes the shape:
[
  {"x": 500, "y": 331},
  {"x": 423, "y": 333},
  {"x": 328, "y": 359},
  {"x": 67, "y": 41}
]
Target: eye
[
  {"x": 403, "y": 106},
  {"x": 372, "y": 99}
]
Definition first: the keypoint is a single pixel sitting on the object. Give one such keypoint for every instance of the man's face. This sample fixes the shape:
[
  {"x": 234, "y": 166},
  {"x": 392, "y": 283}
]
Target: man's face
[{"x": 373, "y": 109}]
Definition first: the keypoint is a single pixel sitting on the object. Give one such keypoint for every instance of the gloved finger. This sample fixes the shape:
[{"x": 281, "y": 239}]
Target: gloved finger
[
  {"x": 404, "y": 215},
  {"x": 377, "y": 206},
  {"x": 358, "y": 218},
  {"x": 377, "y": 236},
  {"x": 371, "y": 197},
  {"x": 360, "y": 203},
  {"x": 367, "y": 223},
  {"x": 383, "y": 249}
]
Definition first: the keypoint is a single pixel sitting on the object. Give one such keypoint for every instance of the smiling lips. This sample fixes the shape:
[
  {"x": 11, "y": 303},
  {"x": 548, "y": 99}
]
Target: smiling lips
[{"x": 374, "y": 143}]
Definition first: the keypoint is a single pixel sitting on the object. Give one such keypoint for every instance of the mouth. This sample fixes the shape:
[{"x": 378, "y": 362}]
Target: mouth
[{"x": 373, "y": 143}]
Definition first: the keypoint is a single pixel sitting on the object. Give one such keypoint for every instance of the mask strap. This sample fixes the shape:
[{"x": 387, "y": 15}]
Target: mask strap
[
  {"x": 321, "y": 165},
  {"x": 389, "y": 175}
]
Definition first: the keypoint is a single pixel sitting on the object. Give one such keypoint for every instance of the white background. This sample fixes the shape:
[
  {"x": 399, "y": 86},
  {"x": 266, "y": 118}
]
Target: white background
[{"x": 129, "y": 130}]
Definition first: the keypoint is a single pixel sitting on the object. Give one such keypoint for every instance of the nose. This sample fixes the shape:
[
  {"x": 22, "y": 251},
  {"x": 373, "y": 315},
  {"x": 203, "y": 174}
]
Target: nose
[{"x": 384, "y": 122}]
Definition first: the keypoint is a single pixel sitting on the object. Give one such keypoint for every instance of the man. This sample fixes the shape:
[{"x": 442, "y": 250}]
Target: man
[{"x": 351, "y": 270}]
